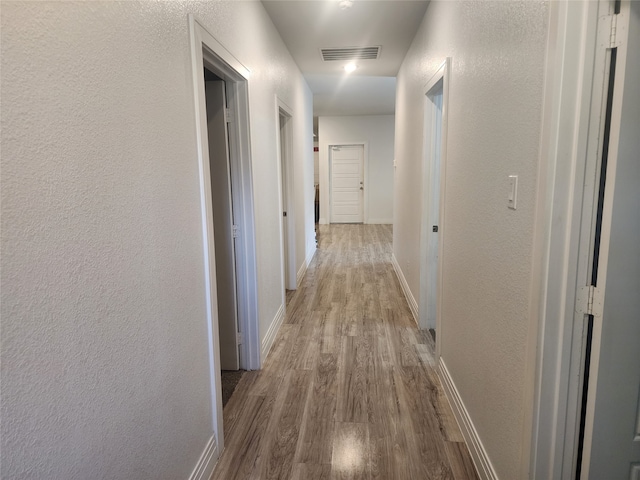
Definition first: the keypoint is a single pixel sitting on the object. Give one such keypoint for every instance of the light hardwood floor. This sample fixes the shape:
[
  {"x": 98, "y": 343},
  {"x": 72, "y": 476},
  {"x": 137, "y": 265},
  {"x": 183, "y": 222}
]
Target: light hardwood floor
[{"x": 349, "y": 389}]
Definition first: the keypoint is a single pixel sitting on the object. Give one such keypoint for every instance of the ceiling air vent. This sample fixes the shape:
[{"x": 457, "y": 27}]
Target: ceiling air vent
[{"x": 350, "y": 53}]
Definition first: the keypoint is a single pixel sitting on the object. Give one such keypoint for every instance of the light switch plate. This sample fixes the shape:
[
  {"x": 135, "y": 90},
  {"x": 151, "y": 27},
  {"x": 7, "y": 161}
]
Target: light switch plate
[{"x": 513, "y": 192}]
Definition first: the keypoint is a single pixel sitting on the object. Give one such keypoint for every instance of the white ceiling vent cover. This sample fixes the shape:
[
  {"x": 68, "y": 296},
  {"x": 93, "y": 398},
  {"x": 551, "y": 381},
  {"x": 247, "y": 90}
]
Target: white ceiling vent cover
[{"x": 350, "y": 53}]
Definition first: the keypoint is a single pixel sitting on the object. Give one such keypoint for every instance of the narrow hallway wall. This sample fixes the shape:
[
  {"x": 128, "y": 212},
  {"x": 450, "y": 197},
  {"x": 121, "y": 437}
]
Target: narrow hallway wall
[
  {"x": 494, "y": 124},
  {"x": 104, "y": 336}
]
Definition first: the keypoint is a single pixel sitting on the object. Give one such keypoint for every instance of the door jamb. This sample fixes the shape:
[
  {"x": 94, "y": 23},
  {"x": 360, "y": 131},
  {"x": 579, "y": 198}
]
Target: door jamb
[
  {"x": 205, "y": 49},
  {"x": 442, "y": 74},
  {"x": 566, "y": 175},
  {"x": 607, "y": 214},
  {"x": 286, "y": 159},
  {"x": 365, "y": 176}
]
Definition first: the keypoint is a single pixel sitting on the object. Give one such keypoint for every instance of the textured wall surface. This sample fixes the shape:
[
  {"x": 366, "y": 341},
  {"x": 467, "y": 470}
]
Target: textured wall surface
[
  {"x": 378, "y": 131},
  {"x": 498, "y": 52},
  {"x": 104, "y": 348}
]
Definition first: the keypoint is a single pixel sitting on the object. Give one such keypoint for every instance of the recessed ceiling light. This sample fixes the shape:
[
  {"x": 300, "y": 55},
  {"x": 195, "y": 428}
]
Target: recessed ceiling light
[
  {"x": 344, "y": 4},
  {"x": 350, "y": 67}
]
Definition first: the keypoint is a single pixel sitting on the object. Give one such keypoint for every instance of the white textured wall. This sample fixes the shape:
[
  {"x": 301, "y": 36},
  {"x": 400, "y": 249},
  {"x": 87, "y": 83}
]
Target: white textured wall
[
  {"x": 104, "y": 350},
  {"x": 498, "y": 52},
  {"x": 378, "y": 131}
]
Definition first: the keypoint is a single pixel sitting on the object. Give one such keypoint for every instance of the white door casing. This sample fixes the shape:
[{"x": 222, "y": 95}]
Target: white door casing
[
  {"x": 223, "y": 224},
  {"x": 612, "y": 426},
  {"x": 207, "y": 51},
  {"x": 430, "y": 223},
  {"x": 347, "y": 183},
  {"x": 284, "y": 116},
  {"x": 575, "y": 95},
  {"x": 433, "y": 184}
]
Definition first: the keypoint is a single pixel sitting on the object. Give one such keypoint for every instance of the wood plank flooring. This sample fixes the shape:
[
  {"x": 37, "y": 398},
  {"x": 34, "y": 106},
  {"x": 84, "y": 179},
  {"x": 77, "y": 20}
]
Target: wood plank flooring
[{"x": 349, "y": 389}]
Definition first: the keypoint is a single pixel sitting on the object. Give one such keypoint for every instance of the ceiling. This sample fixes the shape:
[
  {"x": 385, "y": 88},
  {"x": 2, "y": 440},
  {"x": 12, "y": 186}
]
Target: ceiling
[{"x": 306, "y": 26}]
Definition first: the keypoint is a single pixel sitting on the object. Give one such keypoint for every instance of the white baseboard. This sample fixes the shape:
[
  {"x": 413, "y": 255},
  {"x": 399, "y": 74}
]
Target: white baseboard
[
  {"x": 312, "y": 251},
  {"x": 413, "y": 305},
  {"x": 323, "y": 221},
  {"x": 476, "y": 448},
  {"x": 207, "y": 462},
  {"x": 268, "y": 339},
  {"x": 379, "y": 221},
  {"x": 305, "y": 265}
]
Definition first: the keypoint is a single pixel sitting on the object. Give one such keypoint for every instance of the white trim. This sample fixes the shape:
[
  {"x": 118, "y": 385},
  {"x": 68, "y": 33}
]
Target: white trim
[
  {"x": 605, "y": 238},
  {"x": 446, "y": 75},
  {"x": 270, "y": 337},
  {"x": 206, "y": 49},
  {"x": 380, "y": 221},
  {"x": 285, "y": 190},
  {"x": 479, "y": 455},
  {"x": 305, "y": 266},
  {"x": 300, "y": 275},
  {"x": 206, "y": 462},
  {"x": 312, "y": 252},
  {"x": 413, "y": 305},
  {"x": 441, "y": 75},
  {"x": 365, "y": 174},
  {"x": 574, "y": 72}
]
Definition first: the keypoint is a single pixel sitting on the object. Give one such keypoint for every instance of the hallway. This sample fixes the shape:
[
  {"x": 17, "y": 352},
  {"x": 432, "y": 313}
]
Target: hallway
[{"x": 349, "y": 388}]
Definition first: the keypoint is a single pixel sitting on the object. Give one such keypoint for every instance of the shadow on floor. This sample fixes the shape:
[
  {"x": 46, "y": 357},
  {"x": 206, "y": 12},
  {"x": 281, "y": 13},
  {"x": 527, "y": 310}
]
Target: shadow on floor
[{"x": 230, "y": 380}]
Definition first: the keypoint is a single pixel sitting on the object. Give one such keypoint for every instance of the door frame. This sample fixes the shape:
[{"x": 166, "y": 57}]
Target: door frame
[
  {"x": 566, "y": 199},
  {"x": 286, "y": 192},
  {"x": 365, "y": 175},
  {"x": 206, "y": 50},
  {"x": 223, "y": 203},
  {"x": 442, "y": 75},
  {"x": 622, "y": 45}
]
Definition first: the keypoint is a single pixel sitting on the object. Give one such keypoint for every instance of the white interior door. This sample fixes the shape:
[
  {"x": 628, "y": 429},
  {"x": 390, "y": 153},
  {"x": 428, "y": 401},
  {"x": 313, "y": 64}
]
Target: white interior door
[
  {"x": 432, "y": 186},
  {"x": 222, "y": 224},
  {"x": 433, "y": 207},
  {"x": 347, "y": 184},
  {"x": 612, "y": 434},
  {"x": 285, "y": 200},
  {"x": 288, "y": 213}
]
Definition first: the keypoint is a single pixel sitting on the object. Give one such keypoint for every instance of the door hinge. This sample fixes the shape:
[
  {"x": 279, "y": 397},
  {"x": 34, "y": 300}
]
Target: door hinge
[
  {"x": 228, "y": 115},
  {"x": 236, "y": 231},
  {"x": 589, "y": 301},
  {"x": 240, "y": 338},
  {"x": 608, "y": 31}
]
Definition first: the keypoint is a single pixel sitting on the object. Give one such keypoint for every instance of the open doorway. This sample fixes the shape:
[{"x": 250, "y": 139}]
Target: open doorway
[
  {"x": 224, "y": 233},
  {"x": 226, "y": 173},
  {"x": 432, "y": 204}
]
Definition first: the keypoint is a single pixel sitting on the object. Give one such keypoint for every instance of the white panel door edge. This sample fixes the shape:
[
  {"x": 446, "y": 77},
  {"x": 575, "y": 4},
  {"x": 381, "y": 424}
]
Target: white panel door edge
[
  {"x": 612, "y": 433},
  {"x": 286, "y": 167},
  {"x": 574, "y": 90}
]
